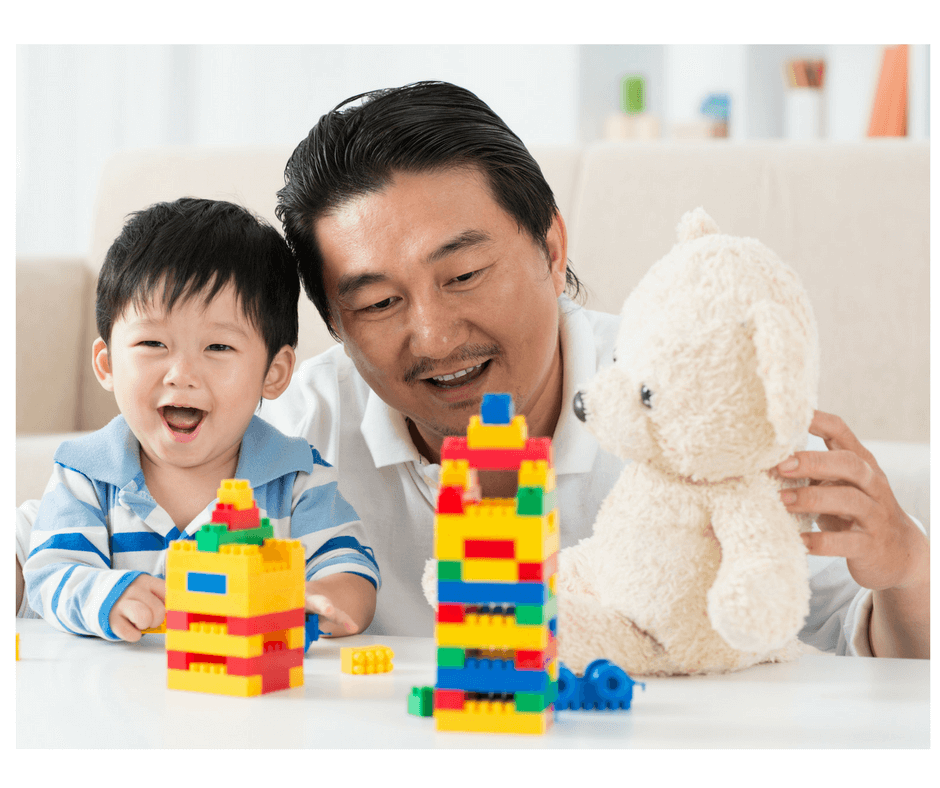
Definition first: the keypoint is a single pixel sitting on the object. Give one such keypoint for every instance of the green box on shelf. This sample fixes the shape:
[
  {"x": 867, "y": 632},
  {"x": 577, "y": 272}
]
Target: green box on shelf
[{"x": 633, "y": 95}]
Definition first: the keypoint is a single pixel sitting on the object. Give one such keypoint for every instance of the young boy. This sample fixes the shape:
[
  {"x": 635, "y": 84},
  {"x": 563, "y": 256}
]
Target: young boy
[{"x": 197, "y": 314}]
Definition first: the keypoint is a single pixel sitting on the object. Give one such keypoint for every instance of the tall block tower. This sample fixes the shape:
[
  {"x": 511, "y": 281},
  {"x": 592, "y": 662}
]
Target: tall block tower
[
  {"x": 235, "y": 603},
  {"x": 497, "y": 668}
]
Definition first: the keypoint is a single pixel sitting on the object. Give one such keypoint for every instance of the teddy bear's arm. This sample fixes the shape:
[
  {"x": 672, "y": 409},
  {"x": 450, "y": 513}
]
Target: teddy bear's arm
[{"x": 760, "y": 596}]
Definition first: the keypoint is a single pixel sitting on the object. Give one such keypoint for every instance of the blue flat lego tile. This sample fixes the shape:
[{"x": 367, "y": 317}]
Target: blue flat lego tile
[
  {"x": 206, "y": 582},
  {"x": 492, "y": 593},
  {"x": 492, "y": 675}
]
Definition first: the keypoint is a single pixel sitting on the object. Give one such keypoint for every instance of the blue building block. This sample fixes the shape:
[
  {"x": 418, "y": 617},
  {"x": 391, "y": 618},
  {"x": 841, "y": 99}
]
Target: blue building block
[
  {"x": 493, "y": 675},
  {"x": 312, "y": 629},
  {"x": 207, "y": 582},
  {"x": 603, "y": 686},
  {"x": 496, "y": 409},
  {"x": 528, "y": 593}
]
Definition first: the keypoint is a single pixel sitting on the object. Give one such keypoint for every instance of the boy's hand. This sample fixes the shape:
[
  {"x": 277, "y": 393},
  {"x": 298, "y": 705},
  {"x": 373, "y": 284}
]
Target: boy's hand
[
  {"x": 140, "y": 607},
  {"x": 332, "y": 619},
  {"x": 858, "y": 515}
]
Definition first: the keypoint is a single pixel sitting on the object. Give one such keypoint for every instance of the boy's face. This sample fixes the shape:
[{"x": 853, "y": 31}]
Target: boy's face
[{"x": 188, "y": 381}]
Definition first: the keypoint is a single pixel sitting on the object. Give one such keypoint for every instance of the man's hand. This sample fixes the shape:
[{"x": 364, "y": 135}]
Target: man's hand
[
  {"x": 860, "y": 519},
  {"x": 140, "y": 607}
]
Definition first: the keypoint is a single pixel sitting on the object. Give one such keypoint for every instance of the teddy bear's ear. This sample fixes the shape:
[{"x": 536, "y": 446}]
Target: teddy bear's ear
[
  {"x": 695, "y": 224},
  {"x": 785, "y": 365}
]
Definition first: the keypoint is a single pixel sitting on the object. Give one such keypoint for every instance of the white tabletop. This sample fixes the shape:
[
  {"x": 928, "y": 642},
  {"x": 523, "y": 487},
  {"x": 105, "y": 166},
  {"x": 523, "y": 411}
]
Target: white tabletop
[{"x": 84, "y": 692}]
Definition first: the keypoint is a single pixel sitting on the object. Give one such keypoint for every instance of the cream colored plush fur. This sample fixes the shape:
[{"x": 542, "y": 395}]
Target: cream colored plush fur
[{"x": 695, "y": 566}]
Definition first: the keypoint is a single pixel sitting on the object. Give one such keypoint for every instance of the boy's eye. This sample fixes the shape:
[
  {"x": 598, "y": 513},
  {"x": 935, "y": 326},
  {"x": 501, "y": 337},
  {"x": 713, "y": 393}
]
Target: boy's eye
[
  {"x": 219, "y": 347},
  {"x": 150, "y": 343}
]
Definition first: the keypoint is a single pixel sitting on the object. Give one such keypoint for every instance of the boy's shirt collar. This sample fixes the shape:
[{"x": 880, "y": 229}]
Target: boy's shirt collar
[{"x": 112, "y": 455}]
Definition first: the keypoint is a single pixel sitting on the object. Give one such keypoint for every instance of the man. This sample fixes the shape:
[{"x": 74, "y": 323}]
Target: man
[{"x": 431, "y": 244}]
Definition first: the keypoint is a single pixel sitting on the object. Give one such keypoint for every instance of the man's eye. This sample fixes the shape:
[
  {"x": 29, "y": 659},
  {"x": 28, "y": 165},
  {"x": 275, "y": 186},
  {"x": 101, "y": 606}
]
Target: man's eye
[
  {"x": 379, "y": 305},
  {"x": 466, "y": 277}
]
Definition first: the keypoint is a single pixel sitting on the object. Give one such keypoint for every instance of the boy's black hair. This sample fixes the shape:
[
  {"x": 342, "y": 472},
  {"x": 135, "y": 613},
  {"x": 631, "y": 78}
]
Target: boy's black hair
[
  {"x": 194, "y": 247},
  {"x": 422, "y": 127}
]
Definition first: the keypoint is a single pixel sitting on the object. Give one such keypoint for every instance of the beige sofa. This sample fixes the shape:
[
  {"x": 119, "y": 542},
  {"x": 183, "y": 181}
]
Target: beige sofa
[{"x": 851, "y": 218}]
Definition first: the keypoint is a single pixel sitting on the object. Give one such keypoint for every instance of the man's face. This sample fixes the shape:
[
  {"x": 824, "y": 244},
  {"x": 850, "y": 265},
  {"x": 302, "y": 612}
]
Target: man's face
[{"x": 440, "y": 297}]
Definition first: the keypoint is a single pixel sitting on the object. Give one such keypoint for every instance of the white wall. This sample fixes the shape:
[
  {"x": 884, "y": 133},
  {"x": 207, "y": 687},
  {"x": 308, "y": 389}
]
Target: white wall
[{"x": 78, "y": 104}]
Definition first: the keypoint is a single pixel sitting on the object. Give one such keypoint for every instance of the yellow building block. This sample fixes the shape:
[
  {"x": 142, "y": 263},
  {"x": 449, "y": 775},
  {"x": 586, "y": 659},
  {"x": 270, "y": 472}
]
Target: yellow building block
[
  {"x": 208, "y": 638},
  {"x": 483, "y": 570},
  {"x": 362, "y": 660},
  {"x": 536, "y": 538},
  {"x": 537, "y": 473},
  {"x": 492, "y": 717},
  {"x": 455, "y": 473},
  {"x": 491, "y": 631},
  {"x": 259, "y": 579},
  {"x": 497, "y": 436},
  {"x": 213, "y": 678},
  {"x": 237, "y": 492}
]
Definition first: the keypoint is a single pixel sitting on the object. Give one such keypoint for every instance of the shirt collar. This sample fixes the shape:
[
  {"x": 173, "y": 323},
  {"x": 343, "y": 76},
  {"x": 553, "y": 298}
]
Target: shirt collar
[
  {"x": 386, "y": 432},
  {"x": 112, "y": 454},
  {"x": 574, "y": 448},
  {"x": 267, "y": 454}
]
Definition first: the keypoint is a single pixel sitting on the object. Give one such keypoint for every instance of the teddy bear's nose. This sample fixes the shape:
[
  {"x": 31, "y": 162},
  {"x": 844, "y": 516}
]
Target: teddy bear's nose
[{"x": 579, "y": 410}]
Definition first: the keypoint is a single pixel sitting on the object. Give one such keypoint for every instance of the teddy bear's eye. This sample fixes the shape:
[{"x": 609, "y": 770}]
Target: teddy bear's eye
[{"x": 646, "y": 397}]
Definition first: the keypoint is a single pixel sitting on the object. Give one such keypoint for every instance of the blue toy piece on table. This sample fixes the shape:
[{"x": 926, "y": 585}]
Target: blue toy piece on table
[
  {"x": 603, "y": 686},
  {"x": 312, "y": 630}
]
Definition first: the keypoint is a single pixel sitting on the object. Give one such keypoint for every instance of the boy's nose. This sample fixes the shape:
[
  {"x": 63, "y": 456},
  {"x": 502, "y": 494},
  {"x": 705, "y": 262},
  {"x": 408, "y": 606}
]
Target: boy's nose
[{"x": 181, "y": 374}]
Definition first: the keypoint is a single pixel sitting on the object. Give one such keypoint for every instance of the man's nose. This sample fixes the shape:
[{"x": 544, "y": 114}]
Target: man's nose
[{"x": 436, "y": 329}]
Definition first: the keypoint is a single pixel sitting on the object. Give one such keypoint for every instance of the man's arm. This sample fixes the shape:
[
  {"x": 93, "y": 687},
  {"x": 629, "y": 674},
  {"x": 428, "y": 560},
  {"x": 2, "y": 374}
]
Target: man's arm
[{"x": 860, "y": 519}]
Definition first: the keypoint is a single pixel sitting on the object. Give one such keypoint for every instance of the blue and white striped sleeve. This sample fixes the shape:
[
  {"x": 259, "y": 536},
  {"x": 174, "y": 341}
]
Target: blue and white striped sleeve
[
  {"x": 328, "y": 526},
  {"x": 68, "y": 574}
]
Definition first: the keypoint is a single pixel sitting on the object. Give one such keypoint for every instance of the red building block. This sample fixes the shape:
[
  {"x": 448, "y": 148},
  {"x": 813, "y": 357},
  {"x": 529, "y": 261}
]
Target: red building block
[
  {"x": 449, "y": 699},
  {"x": 450, "y": 613},
  {"x": 450, "y": 500},
  {"x": 489, "y": 548},
  {"x": 497, "y": 459}
]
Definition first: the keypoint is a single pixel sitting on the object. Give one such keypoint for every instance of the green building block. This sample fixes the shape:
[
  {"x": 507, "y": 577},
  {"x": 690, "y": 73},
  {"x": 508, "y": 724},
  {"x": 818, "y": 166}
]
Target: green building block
[
  {"x": 450, "y": 657},
  {"x": 534, "y": 501},
  {"x": 450, "y": 570},
  {"x": 528, "y": 615},
  {"x": 421, "y": 701},
  {"x": 211, "y": 536},
  {"x": 536, "y": 701}
]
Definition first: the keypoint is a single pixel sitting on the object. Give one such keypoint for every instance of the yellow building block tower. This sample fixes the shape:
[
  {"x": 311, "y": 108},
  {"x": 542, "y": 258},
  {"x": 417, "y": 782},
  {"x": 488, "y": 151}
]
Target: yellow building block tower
[
  {"x": 497, "y": 665},
  {"x": 235, "y": 603}
]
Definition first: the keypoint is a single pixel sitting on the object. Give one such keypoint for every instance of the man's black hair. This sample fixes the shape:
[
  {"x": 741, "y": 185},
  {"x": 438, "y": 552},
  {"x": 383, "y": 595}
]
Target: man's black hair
[
  {"x": 194, "y": 248},
  {"x": 422, "y": 127}
]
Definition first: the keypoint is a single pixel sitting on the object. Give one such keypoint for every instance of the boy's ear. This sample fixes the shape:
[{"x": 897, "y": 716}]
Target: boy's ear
[
  {"x": 279, "y": 373},
  {"x": 101, "y": 363},
  {"x": 556, "y": 240}
]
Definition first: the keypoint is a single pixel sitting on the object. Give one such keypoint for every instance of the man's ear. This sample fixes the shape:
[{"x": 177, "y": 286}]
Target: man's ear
[
  {"x": 279, "y": 373},
  {"x": 556, "y": 241},
  {"x": 101, "y": 363}
]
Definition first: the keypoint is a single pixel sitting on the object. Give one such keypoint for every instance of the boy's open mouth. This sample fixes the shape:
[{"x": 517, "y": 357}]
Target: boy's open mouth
[{"x": 182, "y": 422}]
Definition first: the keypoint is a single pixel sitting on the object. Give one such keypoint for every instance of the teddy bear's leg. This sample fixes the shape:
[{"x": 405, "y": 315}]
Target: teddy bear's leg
[
  {"x": 587, "y": 631},
  {"x": 760, "y": 596}
]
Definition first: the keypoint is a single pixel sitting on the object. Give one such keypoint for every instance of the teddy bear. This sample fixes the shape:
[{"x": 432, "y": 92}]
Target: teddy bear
[{"x": 694, "y": 565}]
